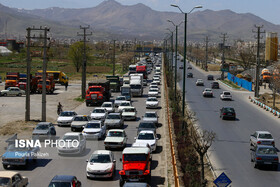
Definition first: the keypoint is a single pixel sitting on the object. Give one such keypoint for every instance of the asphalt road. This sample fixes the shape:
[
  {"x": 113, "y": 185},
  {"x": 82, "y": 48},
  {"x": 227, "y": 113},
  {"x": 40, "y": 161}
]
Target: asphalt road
[
  {"x": 230, "y": 153},
  {"x": 40, "y": 173}
]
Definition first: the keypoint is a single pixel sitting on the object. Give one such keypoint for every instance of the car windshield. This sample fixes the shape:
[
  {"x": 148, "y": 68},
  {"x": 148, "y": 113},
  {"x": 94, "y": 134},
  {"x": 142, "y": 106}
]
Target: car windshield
[
  {"x": 92, "y": 125},
  {"x": 150, "y": 115},
  {"x": 125, "y": 104},
  {"x": 226, "y": 93},
  {"x": 146, "y": 136},
  {"x": 60, "y": 184},
  {"x": 267, "y": 151},
  {"x": 135, "y": 157},
  {"x": 208, "y": 90},
  {"x": 110, "y": 116},
  {"x": 70, "y": 137},
  {"x": 81, "y": 118},
  {"x": 228, "y": 109},
  {"x": 42, "y": 127},
  {"x": 115, "y": 134},
  {"x": 67, "y": 114},
  {"x": 129, "y": 110},
  {"x": 152, "y": 99},
  {"x": 199, "y": 80},
  {"x": 98, "y": 111},
  {"x": 120, "y": 98},
  {"x": 4, "y": 181},
  {"x": 153, "y": 89},
  {"x": 135, "y": 86},
  {"x": 107, "y": 105},
  {"x": 146, "y": 125},
  {"x": 265, "y": 136},
  {"x": 96, "y": 158},
  {"x": 94, "y": 89}
]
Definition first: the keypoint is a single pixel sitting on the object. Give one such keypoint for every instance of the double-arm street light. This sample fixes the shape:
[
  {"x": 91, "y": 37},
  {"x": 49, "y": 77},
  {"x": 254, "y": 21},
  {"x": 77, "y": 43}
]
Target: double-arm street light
[
  {"x": 185, "y": 53},
  {"x": 176, "y": 55}
]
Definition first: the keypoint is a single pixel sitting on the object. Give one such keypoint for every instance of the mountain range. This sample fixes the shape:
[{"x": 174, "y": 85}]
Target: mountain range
[{"x": 112, "y": 19}]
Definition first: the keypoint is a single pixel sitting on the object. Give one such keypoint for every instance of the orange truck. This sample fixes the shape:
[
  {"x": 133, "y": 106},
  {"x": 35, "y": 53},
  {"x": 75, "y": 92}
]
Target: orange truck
[
  {"x": 266, "y": 75},
  {"x": 12, "y": 79},
  {"x": 50, "y": 85},
  {"x": 33, "y": 83}
]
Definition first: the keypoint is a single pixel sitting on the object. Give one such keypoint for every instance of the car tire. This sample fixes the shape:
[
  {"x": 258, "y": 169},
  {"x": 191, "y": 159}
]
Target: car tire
[
  {"x": 87, "y": 104},
  {"x": 19, "y": 94},
  {"x": 121, "y": 181},
  {"x": 73, "y": 129},
  {"x": 256, "y": 165},
  {"x": 4, "y": 94},
  {"x": 5, "y": 166}
]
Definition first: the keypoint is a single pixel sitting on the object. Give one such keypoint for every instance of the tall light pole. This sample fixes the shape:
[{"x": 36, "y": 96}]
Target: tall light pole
[
  {"x": 172, "y": 49},
  {"x": 176, "y": 56},
  {"x": 185, "y": 53}
]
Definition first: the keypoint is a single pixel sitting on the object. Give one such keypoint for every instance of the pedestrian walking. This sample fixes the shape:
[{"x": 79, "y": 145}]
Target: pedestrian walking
[{"x": 66, "y": 85}]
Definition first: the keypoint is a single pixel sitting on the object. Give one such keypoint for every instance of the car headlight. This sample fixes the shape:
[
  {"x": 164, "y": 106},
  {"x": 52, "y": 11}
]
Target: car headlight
[
  {"x": 109, "y": 169},
  {"x": 153, "y": 144}
]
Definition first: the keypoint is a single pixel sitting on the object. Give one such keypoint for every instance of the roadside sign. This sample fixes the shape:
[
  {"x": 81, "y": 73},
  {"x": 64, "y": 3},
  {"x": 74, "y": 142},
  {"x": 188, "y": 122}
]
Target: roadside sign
[{"x": 222, "y": 180}]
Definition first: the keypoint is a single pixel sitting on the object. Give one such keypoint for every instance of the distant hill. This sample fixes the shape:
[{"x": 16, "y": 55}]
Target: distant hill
[{"x": 138, "y": 21}]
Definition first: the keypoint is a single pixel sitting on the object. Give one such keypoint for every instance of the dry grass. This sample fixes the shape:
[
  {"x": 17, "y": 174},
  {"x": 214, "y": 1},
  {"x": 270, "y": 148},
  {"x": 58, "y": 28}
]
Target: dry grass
[
  {"x": 19, "y": 127},
  {"x": 213, "y": 67},
  {"x": 267, "y": 99}
]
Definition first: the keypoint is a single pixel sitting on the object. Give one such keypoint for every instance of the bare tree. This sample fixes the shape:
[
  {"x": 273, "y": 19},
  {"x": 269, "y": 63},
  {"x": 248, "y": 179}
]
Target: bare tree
[
  {"x": 275, "y": 83},
  {"x": 247, "y": 58},
  {"x": 202, "y": 141}
]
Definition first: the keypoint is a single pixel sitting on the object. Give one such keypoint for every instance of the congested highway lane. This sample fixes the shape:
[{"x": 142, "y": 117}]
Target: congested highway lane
[
  {"x": 230, "y": 153},
  {"x": 41, "y": 173}
]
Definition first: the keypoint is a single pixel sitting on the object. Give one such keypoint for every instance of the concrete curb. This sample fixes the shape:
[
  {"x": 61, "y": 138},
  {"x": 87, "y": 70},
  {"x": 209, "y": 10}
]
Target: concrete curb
[
  {"x": 265, "y": 107},
  {"x": 238, "y": 89}
]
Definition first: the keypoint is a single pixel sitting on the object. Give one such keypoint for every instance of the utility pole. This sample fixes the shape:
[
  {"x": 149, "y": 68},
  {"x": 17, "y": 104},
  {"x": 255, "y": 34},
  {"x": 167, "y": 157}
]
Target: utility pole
[
  {"x": 257, "y": 79},
  {"x": 224, "y": 36},
  {"x": 134, "y": 58},
  {"x": 196, "y": 58},
  {"x": 113, "y": 58},
  {"x": 206, "y": 53},
  {"x": 44, "y": 97},
  {"x": 84, "y": 66},
  {"x": 28, "y": 70}
]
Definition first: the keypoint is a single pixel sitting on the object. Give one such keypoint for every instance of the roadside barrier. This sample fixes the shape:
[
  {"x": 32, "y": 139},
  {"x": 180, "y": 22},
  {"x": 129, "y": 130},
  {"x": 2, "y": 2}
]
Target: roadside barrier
[
  {"x": 265, "y": 107},
  {"x": 175, "y": 171}
]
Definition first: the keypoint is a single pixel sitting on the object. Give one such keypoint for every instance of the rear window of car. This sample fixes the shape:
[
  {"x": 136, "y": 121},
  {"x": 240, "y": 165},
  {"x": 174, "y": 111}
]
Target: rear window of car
[
  {"x": 267, "y": 151},
  {"x": 265, "y": 136}
]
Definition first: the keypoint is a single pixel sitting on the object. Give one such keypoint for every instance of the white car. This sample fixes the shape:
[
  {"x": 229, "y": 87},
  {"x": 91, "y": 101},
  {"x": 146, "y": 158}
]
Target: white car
[
  {"x": 101, "y": 164},
  {"x": 75, "y": 143},
  {"x": 153, "y": 92},
  {"x": 156, "y": 80},
  {"x": 207, "y": 92},
  {"x": 152, "y": 102},
  {"x": 65, "y": 118},
  {"x": 147, "y": 137},
  {"x": 199, "y": 82},
  {"x": 118, "y": 100},
  {"x": 109, "y": 106},
  {"x": 79, "y": 122},
  {"x": 12, "y": 91},
  {"x": 151, "y": 116},
  {"x": 261, "y": 138},
  {"x": 153, "y": 83},
  {"x": 123, "y": 105},
  {"x": 129, "y": 113},
  {"x": 116, "y": 138},
  {"x": 99, "y": 114},
  {"x": 226, "y": 95},
  {"x": 94, "y": 130},
  {"x": 154, "y": 87}
]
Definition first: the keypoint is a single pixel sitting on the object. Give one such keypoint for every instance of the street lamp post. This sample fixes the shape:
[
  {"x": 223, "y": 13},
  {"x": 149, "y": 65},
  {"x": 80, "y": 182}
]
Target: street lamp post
[
  {"x": 172, "y": 49},
  {"x": 185, "y": 53}
]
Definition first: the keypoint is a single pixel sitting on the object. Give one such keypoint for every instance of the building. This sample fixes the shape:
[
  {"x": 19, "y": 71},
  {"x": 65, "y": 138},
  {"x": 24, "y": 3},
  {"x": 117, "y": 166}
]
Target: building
[{"x": 271, "y": 46}]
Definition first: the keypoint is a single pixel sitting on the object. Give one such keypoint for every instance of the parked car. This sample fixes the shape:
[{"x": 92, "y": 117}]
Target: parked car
[
  {"x": 226, "y": 95},
  {"x": 151, "y": 116},
  {"x": 79, "y": 122},
  {"x": 109, "y": 106},
  {"x": 147, "y": 136},
  {"x": 227, "y": 113},
  {"x": 65, "y": 180},
  {"x": 189, "y": 75},
  {"x": 65, "y": 118},
  {"x": 12, "y": 91},
  {"x": 261, "y": 138},
  {"x": 101, "y": 164},
  {"x": 147, "y": 125},
  {"x": 215, "y": 85},
  {"x": 264, "y": 155},
  {"x": 118, "y": 100},
  {"x": 44, "y": 130},
  {"x": 75, "y": 144},
  {"x": 12, "y": 179},
  {"x": 129, "y": 113},
  {"x": 124, "y": 104},
  {"x": 94, "y": 130},
  {"x": 114, "y": 120},
  {"x": 199, "y": 82},
  {"x": 207, "y": 92},
  {"x": 99, "y": 114},
  {"x": 210, "y": 77},
  {"x": 152, "y": 102},
  {"x": 116, "y": 138}
]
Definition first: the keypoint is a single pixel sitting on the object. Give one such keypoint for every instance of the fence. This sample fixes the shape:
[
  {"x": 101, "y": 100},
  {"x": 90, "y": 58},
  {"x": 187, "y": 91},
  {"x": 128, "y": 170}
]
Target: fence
[{"x": 240, "y": 82}]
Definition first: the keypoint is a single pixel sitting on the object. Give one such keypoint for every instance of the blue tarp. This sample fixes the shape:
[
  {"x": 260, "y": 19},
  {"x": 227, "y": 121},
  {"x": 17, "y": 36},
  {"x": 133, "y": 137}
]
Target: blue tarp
[{"x": 240, "y": 82}]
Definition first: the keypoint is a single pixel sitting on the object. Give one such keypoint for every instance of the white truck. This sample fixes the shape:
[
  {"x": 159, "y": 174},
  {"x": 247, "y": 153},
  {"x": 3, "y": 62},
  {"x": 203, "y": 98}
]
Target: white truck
[{"x": 136, "y": 84}]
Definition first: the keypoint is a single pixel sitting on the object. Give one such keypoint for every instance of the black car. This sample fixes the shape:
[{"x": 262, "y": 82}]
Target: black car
[
  {"x": 146, "y": 126},
  {"x": 210, "y": 77},
  {"x": 227, "y": 113},
  {"x": 215, "y": 85},
  {"x": 189, "y": 75},
  {"x": 65, "y": 180}
]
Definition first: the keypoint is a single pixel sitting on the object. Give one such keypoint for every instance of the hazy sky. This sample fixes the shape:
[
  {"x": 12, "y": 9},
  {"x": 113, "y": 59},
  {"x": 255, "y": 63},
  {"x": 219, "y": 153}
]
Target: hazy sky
[{"x": 266, "y": 9}]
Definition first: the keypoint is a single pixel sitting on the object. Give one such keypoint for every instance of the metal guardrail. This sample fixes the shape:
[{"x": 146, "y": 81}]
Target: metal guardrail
[{"x": 175, "y": 171}]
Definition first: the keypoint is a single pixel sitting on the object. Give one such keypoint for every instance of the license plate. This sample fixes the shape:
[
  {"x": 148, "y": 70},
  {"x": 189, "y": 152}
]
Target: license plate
[
  {"x": 267, "y": 163},
  {"x": 133, "y": 180},
  {"x": 229, "y": 114}
]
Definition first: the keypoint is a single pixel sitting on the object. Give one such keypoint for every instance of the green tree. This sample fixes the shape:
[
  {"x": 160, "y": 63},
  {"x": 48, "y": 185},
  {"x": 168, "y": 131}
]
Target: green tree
[{"x": 76, "y": 52}]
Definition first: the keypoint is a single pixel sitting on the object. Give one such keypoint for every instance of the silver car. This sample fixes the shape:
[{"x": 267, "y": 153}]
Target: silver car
[
  {"x": 99, "y": 114},
  {"x": 74, "y": 143},
  {"x": 65, "y": 118},
  {"x": 118, "y": 100},
  {"x": 12, "y": 91},
  {"x": 114, "y": 120},
  {"x": 44, "y": 130},
  {"x": 109, "y": 106},
  {"x": 152, "y": 102},
  {"x": 116, "y": 138},
  {"x": 151, "y": 116},
  {"x": 94, "y": 130}
]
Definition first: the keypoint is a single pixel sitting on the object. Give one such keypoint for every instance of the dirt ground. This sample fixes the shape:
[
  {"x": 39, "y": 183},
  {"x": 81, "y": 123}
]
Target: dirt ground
[{"x": 267, "y": 99}]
